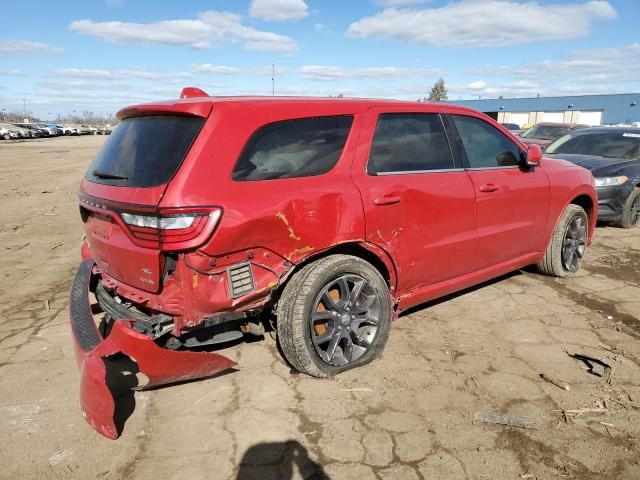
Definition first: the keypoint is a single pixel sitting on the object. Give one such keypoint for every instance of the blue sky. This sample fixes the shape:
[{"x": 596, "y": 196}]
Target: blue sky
[{"x": 104, "y": 54}]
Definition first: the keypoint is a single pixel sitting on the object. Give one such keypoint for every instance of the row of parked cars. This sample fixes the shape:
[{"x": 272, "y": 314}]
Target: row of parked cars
[{"x": 11, "y": 131}]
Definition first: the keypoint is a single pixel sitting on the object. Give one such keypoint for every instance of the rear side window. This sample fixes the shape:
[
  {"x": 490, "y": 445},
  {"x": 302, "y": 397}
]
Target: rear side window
[
  {"x": 293, "y": 148},
  {"x": 409, "y": 142},
  {"x": 485, "y": 146},
  {"x": 144, "y": 151}
]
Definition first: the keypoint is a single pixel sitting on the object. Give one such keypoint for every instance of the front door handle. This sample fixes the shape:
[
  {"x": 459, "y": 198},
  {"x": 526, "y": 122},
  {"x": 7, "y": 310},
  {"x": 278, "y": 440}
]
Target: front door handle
[
  {"x": 387, "y": 200},
  {"x": 488, "y": 187}
]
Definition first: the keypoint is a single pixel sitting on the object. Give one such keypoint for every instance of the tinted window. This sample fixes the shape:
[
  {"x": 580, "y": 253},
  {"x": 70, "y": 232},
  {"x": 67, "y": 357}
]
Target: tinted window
[
  {"x": 409, "y": 142},
  {"x": 604, "y": 144},
  {"x": 293, "y": 148},
  {"x": 144, "y": 151},
  {"x": 484, "y": 145}
]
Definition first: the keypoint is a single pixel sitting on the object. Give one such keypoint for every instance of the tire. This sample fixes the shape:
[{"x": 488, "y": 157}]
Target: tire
[
  {"x": 631, "y": 210},
  {"x": 569, "y": 235},
  {"x": 7, "y": 136},
  {"x": 307, "y": 323}
]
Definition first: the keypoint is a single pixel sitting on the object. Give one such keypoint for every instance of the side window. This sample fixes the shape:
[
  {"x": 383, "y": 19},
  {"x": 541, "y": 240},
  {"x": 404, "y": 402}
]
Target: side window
[
  {"x": 485, "y": 146},
  {"x": 409, "y": 142},
  {"x": 293, "y": 148}
]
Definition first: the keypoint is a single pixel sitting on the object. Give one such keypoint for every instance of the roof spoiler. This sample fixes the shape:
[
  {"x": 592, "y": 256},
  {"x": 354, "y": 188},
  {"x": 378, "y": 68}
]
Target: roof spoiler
[{"x": 192, "y": 92}]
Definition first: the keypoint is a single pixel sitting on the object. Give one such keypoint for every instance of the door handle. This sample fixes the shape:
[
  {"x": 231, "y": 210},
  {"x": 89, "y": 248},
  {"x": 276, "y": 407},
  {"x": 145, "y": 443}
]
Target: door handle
[
  {"x": 387, "y": 200},
  {"x": 489, "y": 187}
]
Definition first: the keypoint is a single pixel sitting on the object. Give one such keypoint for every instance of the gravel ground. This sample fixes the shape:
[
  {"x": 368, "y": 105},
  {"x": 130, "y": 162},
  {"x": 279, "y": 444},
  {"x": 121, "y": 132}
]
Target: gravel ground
[{"x": 406, "y": 416}]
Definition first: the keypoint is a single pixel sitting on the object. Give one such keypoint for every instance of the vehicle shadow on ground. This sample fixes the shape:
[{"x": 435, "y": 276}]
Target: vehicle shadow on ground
[
  {"x": 277, "y": 461},
  {"x": 451, "y": 296},
  {"x": 121, "y": 378}
]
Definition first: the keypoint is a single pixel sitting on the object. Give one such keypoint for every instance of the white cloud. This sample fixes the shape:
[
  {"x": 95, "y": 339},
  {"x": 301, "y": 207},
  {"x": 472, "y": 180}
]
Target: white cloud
[
  {"x": 123, "y": 74},
  {"x": 477, "y": 85},
  {"x": 211, "y": 28},
  {"x": 10, "y": 47},
  {"x": 333, "y": 73},
  {"x": 399, "y": 3},
  {"x": 493, "y": 23},
  {"x": 600, "y": 65},
  {"x": 12, "y": 73},
  {"x": 279, "y": 10},
  {"x": 209, "y": 68}
]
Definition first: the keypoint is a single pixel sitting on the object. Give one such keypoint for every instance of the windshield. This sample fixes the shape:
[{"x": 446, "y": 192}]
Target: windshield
[
  {"x": 546, "y": 132},
  {"x": 623, "y": 145},
  {"x": 144, "y": 151}
]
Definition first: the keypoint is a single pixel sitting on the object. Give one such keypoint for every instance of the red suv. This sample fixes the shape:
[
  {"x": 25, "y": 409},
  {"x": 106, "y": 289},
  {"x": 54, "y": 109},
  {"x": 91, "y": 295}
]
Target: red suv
[{"x": 210, "y": 218}]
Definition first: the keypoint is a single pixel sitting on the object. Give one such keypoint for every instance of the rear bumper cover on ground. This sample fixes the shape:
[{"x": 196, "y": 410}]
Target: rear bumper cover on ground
[{"x": 93, "y": 354}]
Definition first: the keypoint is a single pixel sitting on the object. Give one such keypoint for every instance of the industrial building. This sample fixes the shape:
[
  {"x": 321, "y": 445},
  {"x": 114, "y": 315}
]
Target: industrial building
[{"x": 612, "y": 109}]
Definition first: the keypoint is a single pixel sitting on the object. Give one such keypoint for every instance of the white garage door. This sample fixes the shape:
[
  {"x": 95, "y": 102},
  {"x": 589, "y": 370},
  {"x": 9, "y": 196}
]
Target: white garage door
[
  {"x": 590, "y": 118},
  {"x": 557, "y": 117},
  {"x": 519, "y": 118}
]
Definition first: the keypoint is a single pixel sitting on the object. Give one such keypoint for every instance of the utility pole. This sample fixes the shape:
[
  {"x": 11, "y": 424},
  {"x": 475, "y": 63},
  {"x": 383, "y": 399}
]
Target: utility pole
[
  {"x": 24, "y": 105},
  {"x": 273, "y": 79}
]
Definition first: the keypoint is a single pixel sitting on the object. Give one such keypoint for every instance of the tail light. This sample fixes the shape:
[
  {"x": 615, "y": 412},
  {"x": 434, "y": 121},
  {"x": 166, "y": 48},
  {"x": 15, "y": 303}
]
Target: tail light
[{"x": 175, "y": 229}]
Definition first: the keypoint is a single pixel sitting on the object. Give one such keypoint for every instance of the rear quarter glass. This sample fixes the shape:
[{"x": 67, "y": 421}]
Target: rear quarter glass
[
  {"x": 301, "y": 147},
  {"x": 144, "y": 151}
]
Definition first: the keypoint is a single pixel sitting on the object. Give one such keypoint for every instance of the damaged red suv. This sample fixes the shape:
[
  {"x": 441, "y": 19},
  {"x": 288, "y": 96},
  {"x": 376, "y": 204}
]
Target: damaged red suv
[{"x": 211, "y": 218}]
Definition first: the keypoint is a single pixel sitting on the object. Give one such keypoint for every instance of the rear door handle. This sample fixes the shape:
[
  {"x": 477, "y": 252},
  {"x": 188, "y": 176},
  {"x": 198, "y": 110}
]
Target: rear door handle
[
  {"x": 488, "y": 187},
  {"x": 387, "y": 200}
]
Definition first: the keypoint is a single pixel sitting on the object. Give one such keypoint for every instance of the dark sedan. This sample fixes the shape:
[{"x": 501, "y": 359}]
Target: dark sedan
[{"x": 613, "y": 156}]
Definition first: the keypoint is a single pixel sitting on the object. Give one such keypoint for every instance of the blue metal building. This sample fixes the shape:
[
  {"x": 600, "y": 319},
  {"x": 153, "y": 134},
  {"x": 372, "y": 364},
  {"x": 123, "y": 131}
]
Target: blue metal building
[{"x": 589, "y": 109}]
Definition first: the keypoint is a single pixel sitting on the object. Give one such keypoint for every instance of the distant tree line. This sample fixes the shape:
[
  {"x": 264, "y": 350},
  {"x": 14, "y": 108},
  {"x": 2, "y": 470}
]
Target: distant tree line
[{"x": 85, "y": 118}]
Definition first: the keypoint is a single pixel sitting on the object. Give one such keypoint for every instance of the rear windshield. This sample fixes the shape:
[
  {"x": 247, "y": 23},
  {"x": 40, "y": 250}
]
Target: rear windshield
[
  {"x": 144, "y": 151},
  {"x": 546, "y": 132}
]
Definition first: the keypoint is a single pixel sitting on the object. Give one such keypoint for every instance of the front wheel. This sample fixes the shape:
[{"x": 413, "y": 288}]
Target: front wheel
[
  {"x": 333, "y": 315},
  {"x": 631, "y": 210},
  {"x": 568, "y": 244}
]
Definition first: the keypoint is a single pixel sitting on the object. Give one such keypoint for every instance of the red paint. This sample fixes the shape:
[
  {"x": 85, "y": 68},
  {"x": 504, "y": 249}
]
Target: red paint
[{"x": 434, "y": 232}]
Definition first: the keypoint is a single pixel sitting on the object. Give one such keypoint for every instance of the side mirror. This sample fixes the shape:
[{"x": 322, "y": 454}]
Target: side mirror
[{"x": 534, "y": 155}]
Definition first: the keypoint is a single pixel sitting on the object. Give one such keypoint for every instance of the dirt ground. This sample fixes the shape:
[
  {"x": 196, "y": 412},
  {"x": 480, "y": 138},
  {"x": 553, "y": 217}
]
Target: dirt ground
[{"x": 407, "y": 416}]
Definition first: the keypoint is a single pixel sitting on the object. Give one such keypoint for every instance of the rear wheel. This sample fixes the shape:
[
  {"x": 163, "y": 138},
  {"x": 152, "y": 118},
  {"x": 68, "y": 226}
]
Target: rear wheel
[
  {"x": 334, "y": 314},
  {"x": 631, "y": 210},
  {"x": 568, "y": 244}
]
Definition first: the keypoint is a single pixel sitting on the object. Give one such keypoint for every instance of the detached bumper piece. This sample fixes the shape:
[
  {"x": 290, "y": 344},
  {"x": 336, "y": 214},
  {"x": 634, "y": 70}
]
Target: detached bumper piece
[{"x": 94, "y": 354}]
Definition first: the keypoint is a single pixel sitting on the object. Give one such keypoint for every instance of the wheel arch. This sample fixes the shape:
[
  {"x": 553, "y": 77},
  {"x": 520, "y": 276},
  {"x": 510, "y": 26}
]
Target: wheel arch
[{"x": 368, "y": 252}]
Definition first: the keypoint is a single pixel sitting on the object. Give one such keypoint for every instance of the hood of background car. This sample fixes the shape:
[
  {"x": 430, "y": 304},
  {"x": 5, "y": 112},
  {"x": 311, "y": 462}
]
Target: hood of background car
[{"x": 602, "y": 166}]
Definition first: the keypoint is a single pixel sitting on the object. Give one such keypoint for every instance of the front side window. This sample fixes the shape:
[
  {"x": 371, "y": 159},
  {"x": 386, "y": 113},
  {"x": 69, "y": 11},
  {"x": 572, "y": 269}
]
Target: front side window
[
  {"x": 484, "y": 145},
  {"x": 293, "y": 148},
  {"x": 409, "y": 142}
]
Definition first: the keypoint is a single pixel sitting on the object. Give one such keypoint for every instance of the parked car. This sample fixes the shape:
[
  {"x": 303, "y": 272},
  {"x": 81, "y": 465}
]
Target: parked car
[
  {"x": 22, "y": 132},
  {"x": 205, "y": 217},
  {"x": 33, "y": 130},
  {"x": 613, "y": 156},
  {"x": 104, "y": 130},
  {"x": 513, "y": 128},
  {"x": 54, "y": 130},
  {"x": 6, "y": 134},
  {"x": 544, "y": 133},
  {"x": 67, "y": 130}
]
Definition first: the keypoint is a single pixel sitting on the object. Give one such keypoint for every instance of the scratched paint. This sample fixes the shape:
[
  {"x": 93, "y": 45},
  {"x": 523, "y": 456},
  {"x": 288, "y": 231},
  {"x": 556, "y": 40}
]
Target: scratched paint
[{"x": 281, "y": 216}]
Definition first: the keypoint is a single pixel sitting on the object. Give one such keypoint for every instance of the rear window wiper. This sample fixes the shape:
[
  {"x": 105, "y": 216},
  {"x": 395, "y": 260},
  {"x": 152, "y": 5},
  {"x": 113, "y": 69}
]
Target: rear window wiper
[{"x": 111, "y": 176}]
